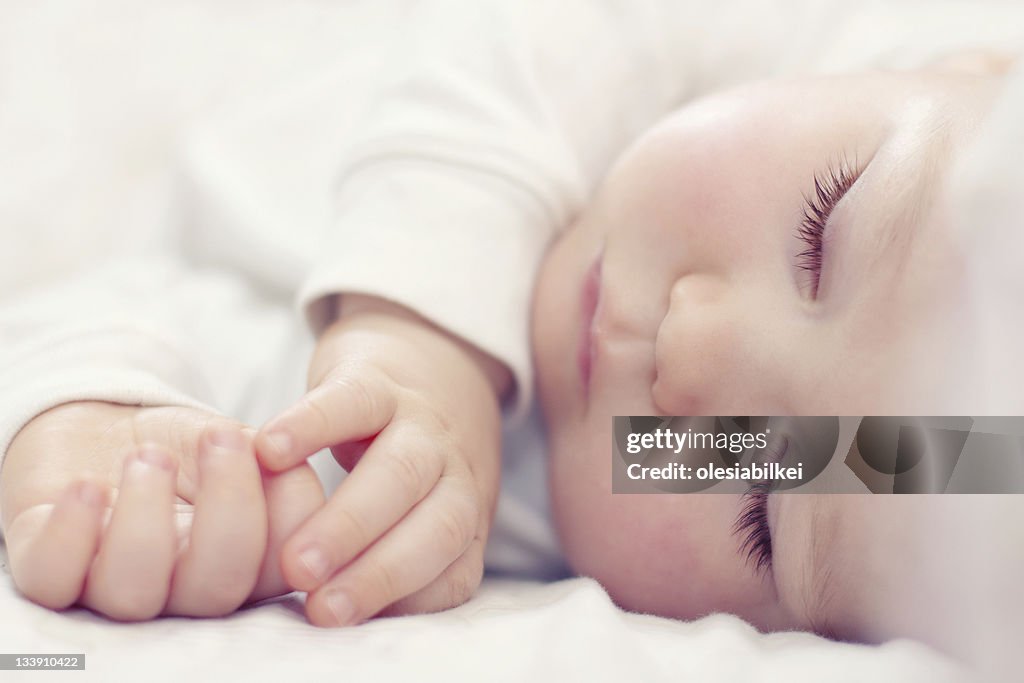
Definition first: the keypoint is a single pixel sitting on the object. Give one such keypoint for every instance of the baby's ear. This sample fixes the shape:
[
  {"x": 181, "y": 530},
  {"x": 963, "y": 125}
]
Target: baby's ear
[{"x": 975, "y": 63}]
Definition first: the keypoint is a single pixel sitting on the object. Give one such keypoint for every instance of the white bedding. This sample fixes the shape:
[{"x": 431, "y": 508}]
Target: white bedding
[{"x": 511, "y": 631}]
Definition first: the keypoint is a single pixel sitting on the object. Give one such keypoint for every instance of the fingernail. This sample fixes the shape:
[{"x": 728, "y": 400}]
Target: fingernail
[
  {"x": 91, "y": 494},
  {"x": 280, "y": 443},
  {"x": 154, "y": 457},
  {"x": 315, "y": 562},
  {"x": 342, "y": 607},
  {"x": 227, "y": 438}
]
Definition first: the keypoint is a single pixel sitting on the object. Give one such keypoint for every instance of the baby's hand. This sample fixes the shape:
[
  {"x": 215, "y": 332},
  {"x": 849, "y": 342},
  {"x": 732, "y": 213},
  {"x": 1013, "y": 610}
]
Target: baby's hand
[
  {"x": 136, "y": 512},
  {"x": 418, "y": 411}
]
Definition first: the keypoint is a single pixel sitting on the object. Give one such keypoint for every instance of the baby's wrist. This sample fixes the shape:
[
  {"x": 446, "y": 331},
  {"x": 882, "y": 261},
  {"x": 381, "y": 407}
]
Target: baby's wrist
[{"x": 352, "y": 310}]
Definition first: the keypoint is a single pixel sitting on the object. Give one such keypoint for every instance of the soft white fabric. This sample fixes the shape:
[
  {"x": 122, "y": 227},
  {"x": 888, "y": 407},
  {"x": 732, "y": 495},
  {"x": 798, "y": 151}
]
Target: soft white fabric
[{"x": 511, "y": 631}]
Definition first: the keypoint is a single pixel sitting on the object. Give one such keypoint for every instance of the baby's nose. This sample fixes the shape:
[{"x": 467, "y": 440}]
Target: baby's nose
[{"x": 695, "y": 345}]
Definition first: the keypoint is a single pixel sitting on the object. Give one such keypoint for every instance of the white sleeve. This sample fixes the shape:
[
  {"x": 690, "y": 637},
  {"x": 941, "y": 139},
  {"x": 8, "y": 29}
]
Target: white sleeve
[
  {"x": 141, "y": 333},
  {"x": 493, "y": 122}
]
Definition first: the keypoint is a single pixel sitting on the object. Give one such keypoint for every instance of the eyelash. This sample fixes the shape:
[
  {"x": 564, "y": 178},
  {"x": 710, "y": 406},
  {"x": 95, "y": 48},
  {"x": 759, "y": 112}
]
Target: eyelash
[
  {"x": 829, "y": 188},
  {"x": 752, "y": 527}
]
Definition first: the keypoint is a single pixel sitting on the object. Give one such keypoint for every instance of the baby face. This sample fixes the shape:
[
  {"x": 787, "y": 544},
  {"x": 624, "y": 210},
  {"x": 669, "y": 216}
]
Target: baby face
[{"x": 776, "y": 249}]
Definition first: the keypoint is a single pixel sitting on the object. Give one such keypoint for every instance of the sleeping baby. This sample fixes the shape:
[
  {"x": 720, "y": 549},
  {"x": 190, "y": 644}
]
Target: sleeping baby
[
  {"x": 782, "y": 248},
  {"x": 775, "y": 248}
]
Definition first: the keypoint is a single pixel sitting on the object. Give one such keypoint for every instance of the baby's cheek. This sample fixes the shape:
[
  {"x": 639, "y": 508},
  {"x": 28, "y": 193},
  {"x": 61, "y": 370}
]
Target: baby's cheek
[
  {"x": 673, "y": 555},
  {"x": 609, "y": 539}
]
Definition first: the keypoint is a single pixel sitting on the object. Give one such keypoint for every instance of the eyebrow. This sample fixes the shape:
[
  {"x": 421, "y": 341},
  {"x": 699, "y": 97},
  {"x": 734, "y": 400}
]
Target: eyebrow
[
  {"x": 820, "y": 567},
  {"x": 909, "y": 206}
]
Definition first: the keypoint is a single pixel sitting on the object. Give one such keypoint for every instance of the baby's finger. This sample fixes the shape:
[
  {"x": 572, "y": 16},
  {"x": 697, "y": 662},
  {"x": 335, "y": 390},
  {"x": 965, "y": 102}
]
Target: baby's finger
[
  {"x": 342, "y": 408},
  {"x": 52, "y": 547},
  {"x": 292, "y": 496},
  {"x": 398, "y": 470},
  {"x": 408, "y": 558},
  {"x": 453, "y": 587},
  {"x": 218, "y": 570},
  {"x": 131, "y": 576}
]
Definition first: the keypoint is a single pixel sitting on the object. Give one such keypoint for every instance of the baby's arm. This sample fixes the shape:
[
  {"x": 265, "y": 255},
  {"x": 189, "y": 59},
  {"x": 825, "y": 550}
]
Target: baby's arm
[{"x": 418, "y": 410}]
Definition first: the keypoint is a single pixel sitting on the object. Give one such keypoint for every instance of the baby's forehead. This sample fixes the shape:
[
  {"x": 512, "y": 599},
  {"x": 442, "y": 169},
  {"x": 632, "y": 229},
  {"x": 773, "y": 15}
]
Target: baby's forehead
[
  {"x": 801, "y": 99},
  {"x": 745, "y": 134}
]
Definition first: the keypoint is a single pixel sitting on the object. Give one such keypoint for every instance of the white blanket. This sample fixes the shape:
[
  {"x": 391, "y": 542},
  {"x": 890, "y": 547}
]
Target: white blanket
[{"x": 511, "y": 631}]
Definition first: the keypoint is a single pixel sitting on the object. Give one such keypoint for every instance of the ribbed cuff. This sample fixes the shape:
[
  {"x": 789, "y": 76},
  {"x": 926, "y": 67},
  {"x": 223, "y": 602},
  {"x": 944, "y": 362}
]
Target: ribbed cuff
[{"x": 459, "y": 247}]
